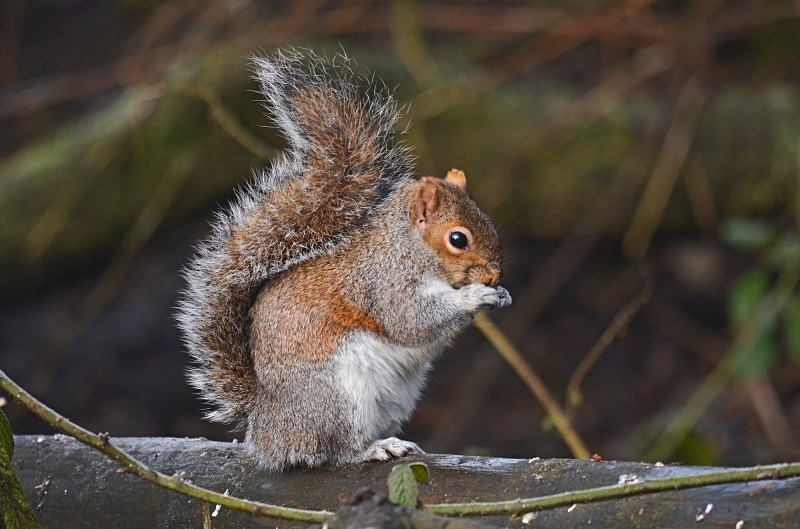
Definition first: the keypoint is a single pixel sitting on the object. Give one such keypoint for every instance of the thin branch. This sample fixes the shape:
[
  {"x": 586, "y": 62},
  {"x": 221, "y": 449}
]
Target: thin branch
[
  {"x": 673, "y": 155},
  {"x": 766, "y": 403},
  {"x": 701, "y": 197},
  {"x": 227, "y": 121},
  {"x": 534, "y": 383},
  {"x": 629, "y": 25},
  {"x": 617, "y": 326},
  {"x": 149, "y": 63},
  {"x": 647, "y": 486},
  {"x": 102, "y": 443},
  {"x": 410, "y": 46},
  {"x": 600, "y": 214}
]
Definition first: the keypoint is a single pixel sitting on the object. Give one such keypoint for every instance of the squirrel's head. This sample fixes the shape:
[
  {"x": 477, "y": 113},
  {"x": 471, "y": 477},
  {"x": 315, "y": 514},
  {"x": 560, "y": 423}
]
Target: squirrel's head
[{"x": 460, "y": 233}]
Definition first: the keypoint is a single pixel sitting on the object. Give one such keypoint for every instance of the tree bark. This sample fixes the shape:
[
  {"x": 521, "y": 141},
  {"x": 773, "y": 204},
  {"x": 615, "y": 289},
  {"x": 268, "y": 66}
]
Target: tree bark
[{"x": 73, "y": 486}]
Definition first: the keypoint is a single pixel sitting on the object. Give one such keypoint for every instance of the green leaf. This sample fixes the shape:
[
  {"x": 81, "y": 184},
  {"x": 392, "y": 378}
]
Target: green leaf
[
  {"x": 576, "y": 397},
  {"x": 420, "y": 471},
  {"x": 785, "y": 250},
  {"x": 548, "y": 425},
  {"x": 757, "y": 357},
  {"x": 17, "y": 512},
  {"x": 403, "y": 488},
  {"x": 747, "y": 293},
  {"x": 791, "y": 328},
  {"x": 747, "y": 234}
]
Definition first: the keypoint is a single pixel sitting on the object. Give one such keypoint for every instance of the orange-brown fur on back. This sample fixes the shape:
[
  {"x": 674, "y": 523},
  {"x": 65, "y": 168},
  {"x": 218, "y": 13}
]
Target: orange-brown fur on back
[{"x": 304, "y": 311}]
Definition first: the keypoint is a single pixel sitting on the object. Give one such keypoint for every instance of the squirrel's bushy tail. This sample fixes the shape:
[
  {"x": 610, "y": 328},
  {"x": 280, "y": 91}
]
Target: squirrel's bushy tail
[{"x": 341, "y": 162}]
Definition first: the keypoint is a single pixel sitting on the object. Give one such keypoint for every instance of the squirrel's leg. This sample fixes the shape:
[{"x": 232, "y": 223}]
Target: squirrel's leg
[
  {"x": 299, "y": 419},
  {"x": 448, "y": 309},
  {"x": 446, "y": 301},
  {"x": 438, "y": 311}
]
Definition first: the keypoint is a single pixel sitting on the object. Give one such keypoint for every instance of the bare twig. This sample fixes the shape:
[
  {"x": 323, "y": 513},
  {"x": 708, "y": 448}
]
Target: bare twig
[
  {"x": 710, "y": 347},
  {"x": 602, "y": 212},
  {"x": 665, "y": 173},
  {"x": 797, "y": 191},
  {"x": 227, "y": 121},
  {"x": 296, "y": 17},
  {"x": 685, "y": 330},
  {"x": 534, "y": 383},
  {"x": 148, "y": 62},
  {"x": 617, "y": 326},
  {"x": 746, "y": 16},
  {"x": 767, "y": 405},
  {"x": 555, "y": 42},
  {"x": 410, "y": 45},
  {"x": 629, "y": 24},
  {"x": 701, "y": 196}
]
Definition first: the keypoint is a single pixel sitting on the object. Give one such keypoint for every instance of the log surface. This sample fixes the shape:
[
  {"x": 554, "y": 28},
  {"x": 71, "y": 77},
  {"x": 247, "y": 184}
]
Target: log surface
[{"x": 73, "y": 486}]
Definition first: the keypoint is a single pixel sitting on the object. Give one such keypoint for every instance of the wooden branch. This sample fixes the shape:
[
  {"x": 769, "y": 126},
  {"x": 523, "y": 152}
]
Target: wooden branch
[{"x": 72, "y": 485}]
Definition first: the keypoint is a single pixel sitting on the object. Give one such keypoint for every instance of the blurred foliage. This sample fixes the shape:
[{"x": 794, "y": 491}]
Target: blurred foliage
[
  {"x": 541, "y": 106},
  {"x": 578, "y": 121},
  {"x": 71, "y": 196},
  {"x": 778, "y": 254}
]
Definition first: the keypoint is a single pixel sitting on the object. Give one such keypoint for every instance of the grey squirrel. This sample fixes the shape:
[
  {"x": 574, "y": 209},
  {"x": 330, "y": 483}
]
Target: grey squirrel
[{"x": 315, "y": 308}]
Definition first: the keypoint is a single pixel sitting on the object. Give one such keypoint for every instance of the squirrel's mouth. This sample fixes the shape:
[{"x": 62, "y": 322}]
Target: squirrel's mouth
[
  {"x": 462, "y": 284},
  {"x": 489, "y": 276}
]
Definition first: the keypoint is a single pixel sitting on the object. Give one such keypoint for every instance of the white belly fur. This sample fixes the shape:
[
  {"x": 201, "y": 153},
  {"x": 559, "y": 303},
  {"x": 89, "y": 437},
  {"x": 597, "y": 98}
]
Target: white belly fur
[{"x": 382, "y": 380}]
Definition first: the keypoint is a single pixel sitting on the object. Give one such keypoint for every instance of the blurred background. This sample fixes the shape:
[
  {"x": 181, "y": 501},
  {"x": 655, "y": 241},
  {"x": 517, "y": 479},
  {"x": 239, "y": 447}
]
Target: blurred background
[{"x": 642, "y": 160}]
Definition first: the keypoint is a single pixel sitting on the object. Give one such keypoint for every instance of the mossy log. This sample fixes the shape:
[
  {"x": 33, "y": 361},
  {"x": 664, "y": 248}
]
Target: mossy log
[{"x": 73, "y": 486}]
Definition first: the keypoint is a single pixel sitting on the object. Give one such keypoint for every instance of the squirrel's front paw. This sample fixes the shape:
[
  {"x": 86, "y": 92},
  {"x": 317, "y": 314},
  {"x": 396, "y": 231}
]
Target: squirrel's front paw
[
  {"x": 483, "y": 297},
  {"x": 505, "y": 297},
  {"x": 386, "y": 449},
  {"x": 478, "y": 296}
]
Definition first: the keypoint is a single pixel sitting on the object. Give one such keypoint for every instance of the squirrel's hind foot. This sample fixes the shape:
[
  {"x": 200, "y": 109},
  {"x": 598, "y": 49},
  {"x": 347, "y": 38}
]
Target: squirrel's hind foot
[{"x": 386, "y": 449}]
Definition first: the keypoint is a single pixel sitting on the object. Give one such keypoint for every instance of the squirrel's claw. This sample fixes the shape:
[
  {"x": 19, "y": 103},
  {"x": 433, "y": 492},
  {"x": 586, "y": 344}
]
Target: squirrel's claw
[
  {"x": 386, "y": 449},
  {"x": 504, "y": 298}
]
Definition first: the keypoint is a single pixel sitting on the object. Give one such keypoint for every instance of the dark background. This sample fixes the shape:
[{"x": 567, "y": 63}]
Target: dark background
[{"x": 630, "y": 151}]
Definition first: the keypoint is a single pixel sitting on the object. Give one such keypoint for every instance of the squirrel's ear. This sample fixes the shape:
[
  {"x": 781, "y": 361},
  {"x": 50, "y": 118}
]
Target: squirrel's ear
[
  {"x": 457, "y": 178},
  {"x": 427, "y": 200}
]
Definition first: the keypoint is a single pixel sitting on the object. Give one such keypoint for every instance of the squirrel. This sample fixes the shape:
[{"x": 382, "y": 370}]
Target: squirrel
[{"x": 314, "y": 309}]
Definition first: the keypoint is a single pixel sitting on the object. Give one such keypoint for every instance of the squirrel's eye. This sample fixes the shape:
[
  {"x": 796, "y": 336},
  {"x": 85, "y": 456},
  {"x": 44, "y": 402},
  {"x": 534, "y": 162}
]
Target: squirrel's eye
[{"x": 458, "y": 240}]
